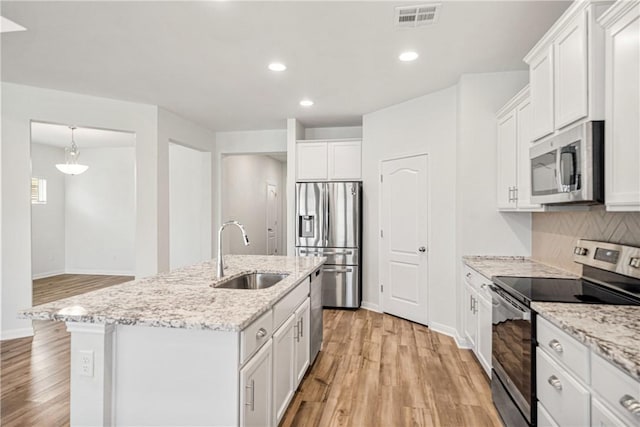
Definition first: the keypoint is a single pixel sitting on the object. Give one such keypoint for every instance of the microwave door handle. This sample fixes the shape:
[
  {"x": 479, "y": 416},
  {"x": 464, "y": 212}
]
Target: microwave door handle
[{"x": 559, "y": 169}]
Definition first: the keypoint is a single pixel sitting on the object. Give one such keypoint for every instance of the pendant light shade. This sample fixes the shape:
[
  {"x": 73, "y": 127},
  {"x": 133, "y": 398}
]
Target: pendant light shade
[{"x": 71, "y": 154}]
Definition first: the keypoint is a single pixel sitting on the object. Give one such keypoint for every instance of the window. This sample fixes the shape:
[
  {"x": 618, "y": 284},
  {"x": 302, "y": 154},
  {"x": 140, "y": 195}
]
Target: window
[{"x": 38, "y": 191}]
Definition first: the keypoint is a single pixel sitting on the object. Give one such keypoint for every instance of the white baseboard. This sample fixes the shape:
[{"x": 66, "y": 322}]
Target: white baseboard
[
  {"x": 101, "y": 272},
  {"x": 449, "y": 331},
  {"x": 370, "y": 306},
  {"x": 12, "y": 334},
  {"x": 47, "y": 274}
]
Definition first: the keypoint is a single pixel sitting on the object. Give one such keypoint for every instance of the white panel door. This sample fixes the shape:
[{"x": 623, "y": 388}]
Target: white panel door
[
  {"x": 272, "y": 219},
  {"x": 283, "y": 372},
  {"x": 622, "y": 148},
  {"x": 541, "y": 76},
  {"x": 405, "y": 212},
  {"x": 571, "y": 73},
  {"x": 311, "y": 161},
  {"x": 256, "y": 390},
  {"x": 344, "y": 160},
  {"x": 507, "y": 156}
]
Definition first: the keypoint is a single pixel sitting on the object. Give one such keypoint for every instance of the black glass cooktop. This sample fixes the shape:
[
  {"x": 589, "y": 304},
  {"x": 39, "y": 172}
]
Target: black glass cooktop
[{"x": 527, "y": 289}]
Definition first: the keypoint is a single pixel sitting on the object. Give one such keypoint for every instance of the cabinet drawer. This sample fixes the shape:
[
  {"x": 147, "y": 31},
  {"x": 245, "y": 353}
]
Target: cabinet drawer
[
  {"x": 564, "y": 349},
  {"x": 474, "y": 278},
  {"x": 255, "y": 335},
  {"x": 288, "y": 304},
  {"x": 616, "y": 388},
  {"x": 564, "y": 398},
  {"x": 544, "y": 419},
  {"x": 602, "y": 417}
]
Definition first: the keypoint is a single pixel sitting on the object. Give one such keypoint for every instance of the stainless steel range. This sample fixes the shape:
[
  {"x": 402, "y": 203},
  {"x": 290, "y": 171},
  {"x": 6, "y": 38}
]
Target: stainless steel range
[{"x": 611, "y": 275}]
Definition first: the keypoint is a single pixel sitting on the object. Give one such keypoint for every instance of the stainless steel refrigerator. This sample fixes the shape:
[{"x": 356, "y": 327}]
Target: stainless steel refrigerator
[{"x": 329, "y": 224}]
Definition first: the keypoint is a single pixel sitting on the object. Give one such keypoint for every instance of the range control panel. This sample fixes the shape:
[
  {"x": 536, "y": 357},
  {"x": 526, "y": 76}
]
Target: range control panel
[{"x": 621, "y": 259}]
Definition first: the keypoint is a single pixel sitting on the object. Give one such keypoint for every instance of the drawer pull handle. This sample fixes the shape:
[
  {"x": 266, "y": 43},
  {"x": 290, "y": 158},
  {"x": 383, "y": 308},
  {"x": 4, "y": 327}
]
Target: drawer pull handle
[
  {"x": 252, "y": 403},
  {"x": 555, "y": 345},
  {"x": 555, "y": 382},
  {"x": 262, "y": 332},
  {"x": 630, "y": 404}
]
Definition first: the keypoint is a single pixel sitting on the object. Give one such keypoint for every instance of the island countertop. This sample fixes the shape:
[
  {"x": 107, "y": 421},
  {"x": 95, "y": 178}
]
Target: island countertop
[{"x": 183, "y": 298}]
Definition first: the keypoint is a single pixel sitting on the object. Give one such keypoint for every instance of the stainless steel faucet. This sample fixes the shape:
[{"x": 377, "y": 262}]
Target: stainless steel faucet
[{"x": 245, "y": 238}]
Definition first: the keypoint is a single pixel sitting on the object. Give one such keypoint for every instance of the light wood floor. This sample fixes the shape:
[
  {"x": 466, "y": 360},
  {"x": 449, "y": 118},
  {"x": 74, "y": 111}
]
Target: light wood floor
[
  {"x": 379, "y": 370},
  {"x": 374, "y": 370},
  {"x": 34, "y": 379}
]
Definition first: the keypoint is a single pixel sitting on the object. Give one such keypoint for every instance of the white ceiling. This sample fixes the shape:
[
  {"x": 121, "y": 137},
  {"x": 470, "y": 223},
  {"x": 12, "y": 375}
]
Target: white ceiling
[
  {"x": 60, "y": 136},
  {"x": 207, "y": 61}
]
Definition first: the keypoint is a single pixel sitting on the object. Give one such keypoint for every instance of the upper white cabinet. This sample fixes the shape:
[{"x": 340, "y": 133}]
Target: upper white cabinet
[
  {"x": 513, "y": 164},
  {"x": 622, "y": 106},
  {"x": 567, "y": 70},
  {"x": 330, "y": 160}
]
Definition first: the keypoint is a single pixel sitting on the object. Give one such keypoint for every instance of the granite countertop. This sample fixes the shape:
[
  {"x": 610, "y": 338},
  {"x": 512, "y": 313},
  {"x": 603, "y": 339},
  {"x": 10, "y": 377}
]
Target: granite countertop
[
  {"x": 515, "y": 266},
  {"x": 611, "y": 331},
  {"x": 184, "y": 297}
]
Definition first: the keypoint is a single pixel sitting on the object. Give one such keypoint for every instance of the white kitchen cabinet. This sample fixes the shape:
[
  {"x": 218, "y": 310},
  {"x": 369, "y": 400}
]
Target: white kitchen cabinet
[
  {"x": 622, "y": 106},
  {"x": 541, "y": 78},
  {"x": 329, "y": 160},
  {"x": 255, "y": 392},
  {"x": 302, "y": 344},
  {"x": 283, "y": 367},
  {"x": 311, "y": 161},
  {"x": 513, "y": 164},
  {"x": 477, "y": 316},
  {"x": 602, "y": 417},
  {"x": 566, "y": 70}
]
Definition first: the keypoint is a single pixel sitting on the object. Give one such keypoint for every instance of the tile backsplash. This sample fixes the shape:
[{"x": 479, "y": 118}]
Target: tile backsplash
[{"x": 555, "y": 233}]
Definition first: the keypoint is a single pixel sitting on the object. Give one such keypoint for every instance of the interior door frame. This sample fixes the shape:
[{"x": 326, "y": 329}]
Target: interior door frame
[
  {"x": 379, "y": 238},
  {"x": 277, "y": 214}
]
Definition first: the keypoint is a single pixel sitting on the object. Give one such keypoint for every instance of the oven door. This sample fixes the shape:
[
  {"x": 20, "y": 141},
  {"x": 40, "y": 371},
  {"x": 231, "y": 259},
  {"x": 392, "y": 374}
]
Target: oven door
[{"x": 511, "y": 354}]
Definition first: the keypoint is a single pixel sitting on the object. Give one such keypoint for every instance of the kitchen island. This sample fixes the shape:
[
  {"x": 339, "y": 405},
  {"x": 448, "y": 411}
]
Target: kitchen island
[{"x": 173, "y": 349}]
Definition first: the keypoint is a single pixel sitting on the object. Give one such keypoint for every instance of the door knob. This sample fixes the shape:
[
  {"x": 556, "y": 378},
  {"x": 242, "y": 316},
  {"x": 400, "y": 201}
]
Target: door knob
[{"x": 422, "y": 249}]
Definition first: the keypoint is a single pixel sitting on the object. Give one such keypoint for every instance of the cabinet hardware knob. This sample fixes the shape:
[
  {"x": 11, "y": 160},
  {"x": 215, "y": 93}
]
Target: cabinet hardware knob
[
  {"x": 630, "y": 404},
  {"x": 555, "y": 382},
  {"x": 468, "y": 275},
  {"x": 555, "y": 345},
  {"x": 422, "y": 249},
  {"x": 262, "y": 332}
]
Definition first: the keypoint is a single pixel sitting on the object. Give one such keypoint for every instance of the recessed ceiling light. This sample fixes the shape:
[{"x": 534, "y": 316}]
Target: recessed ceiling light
[
  {"x": 277, "y": 66},
  {"x": 306, "y": 103},
  {"x": 408, "y": 56}
]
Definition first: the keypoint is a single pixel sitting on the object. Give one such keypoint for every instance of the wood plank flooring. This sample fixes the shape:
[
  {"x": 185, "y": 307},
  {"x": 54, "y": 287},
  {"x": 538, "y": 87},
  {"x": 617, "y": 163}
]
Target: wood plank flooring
[
  {"x": 34, "y": 379},
  {"x": 379, "y": 370},
  {"x": 374, "y": 370}
]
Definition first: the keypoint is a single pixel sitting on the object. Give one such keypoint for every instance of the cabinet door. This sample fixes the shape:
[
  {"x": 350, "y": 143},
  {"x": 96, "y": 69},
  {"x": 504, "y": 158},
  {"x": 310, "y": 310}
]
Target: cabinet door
[
  {"x": 622, "y": 150},
  {"x": 483, "y": 349},
  {"x": 571, "y": 72},
  {"x": 344, "y": 160},
  {"x": 601, "y": 416},
  {"x": 311, "y": 161},
  {"x": 524, "y": 161},
  {"x": 541, "y": 76},
  {"x": 507, "y": 149},
  {"x": 470, "y": 317},
  {"x": 283, "y": 375},
  {"x": 302, "y": 317},
  {"x": 255, "y": 389}
]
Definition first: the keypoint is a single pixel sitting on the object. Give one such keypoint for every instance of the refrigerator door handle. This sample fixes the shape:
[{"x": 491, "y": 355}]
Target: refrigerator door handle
[
  {"x": 327, "y": 213},
  {"x": 338, "y": 270},
  {"x": 323, "y": 252}
]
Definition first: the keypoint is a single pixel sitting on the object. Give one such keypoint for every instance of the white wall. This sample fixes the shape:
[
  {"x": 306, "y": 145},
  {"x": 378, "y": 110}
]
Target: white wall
[
  {"x": 48, "y": 220},
  {"x": 101, "y": 213},
  {"x": 244, "y": 199},
  {"x": 481, "y": 229},
  {"x": 244, "y": 142},
  {"x": 190, "y": 205},
  {"x": 333, "y": 132},
  {"x": 175, "y": 129},
  {"x": 20, "y": 105},
  {"x": 422, "y": 125}
]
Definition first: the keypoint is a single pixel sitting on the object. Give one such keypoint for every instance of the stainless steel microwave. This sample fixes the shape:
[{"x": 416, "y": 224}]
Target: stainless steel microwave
[{"x": 569, "y": 167}]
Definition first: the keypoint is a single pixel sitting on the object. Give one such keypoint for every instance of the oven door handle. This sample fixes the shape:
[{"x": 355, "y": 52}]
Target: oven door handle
[{"x": 524, "y": 313}]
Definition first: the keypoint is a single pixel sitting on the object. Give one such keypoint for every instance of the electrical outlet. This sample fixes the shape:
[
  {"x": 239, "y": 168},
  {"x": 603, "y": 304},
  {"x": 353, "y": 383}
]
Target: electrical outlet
[{"x": 86, "y": 363}]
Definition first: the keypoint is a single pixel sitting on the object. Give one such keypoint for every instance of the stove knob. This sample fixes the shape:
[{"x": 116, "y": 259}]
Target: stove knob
[
  {"x": 634, "y": 262},
  {"x": 580, "y": 251}
]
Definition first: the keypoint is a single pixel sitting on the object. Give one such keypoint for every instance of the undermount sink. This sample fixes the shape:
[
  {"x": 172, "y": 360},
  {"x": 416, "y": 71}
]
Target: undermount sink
[{"x": 252, "y": 281}]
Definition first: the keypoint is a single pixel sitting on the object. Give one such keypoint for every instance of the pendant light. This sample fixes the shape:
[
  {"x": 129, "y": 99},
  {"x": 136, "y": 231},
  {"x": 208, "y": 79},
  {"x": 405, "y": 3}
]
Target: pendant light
[{"x": 71, "y": 154}]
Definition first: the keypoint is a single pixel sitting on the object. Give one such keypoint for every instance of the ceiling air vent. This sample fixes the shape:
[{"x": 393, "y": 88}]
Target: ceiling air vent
[{"x": 417, "y": 16}]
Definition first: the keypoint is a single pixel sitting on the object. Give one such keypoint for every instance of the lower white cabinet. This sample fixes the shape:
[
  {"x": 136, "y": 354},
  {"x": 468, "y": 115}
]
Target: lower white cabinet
[
  {"x": 477, "y": 316},
  {"x": 283, "y": 367},
  {"x": 255, "y": 393},
  {"x": 302, "y": 340}
]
